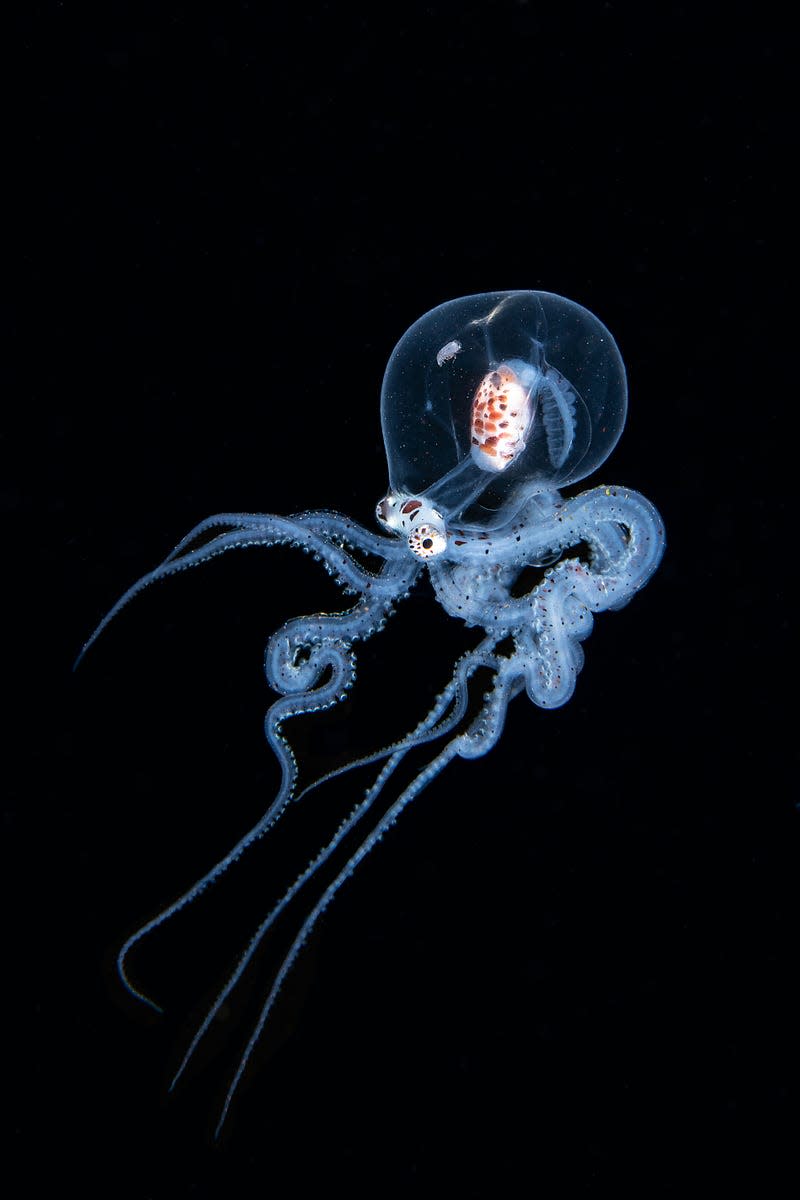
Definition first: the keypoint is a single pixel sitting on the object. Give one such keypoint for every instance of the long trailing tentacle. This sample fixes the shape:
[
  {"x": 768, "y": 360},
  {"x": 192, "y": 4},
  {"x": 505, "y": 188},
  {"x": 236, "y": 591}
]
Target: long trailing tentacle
[
  {"x": 297, "y": 657},
  {"x": 436, "y": 724},
  {"x": 341, "y": 668},
  {"x": 475, "y": 741},
  {"x": 434, "y": 767},
  {"x": 304, "y": 653},
  {"x": 482, "y": 656},
  {"x": 335, "y": 528},
  {"x": 318, "y": 533}
]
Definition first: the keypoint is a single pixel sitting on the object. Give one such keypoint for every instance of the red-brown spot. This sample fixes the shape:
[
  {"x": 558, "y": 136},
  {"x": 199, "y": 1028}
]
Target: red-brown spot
[{"x": 411, "y": 506}]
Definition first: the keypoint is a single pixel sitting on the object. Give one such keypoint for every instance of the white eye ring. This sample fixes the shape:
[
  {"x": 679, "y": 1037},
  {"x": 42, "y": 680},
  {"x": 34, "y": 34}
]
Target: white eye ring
[{"x": 426, "y": 541}]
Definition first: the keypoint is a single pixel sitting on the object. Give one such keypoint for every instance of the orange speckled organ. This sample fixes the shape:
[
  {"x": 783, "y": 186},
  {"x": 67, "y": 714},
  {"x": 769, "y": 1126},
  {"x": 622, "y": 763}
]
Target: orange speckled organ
[{"x": 501, "y": 414}]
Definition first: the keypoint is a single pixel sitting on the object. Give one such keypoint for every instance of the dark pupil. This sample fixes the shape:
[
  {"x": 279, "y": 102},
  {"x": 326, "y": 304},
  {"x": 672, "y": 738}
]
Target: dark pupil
[{"x": 426, "y": 543}]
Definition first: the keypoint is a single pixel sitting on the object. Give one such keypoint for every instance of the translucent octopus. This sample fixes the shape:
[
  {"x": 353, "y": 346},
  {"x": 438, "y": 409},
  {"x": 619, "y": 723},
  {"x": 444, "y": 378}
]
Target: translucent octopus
[{"x": 490, "y": 404}]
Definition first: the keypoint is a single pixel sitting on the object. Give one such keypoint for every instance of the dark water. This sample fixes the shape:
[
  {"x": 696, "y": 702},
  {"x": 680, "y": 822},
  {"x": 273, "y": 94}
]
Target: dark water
[{"x": 571, "y": 966}]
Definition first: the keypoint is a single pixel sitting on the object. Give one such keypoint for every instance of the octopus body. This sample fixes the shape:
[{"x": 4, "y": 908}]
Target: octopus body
[{"x": 594, "y": 551}]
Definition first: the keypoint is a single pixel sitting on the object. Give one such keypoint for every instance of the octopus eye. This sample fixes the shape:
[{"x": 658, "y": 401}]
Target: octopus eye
[
  {"x": 384, "y": 511},
  {"x": 427, "y": 541}
]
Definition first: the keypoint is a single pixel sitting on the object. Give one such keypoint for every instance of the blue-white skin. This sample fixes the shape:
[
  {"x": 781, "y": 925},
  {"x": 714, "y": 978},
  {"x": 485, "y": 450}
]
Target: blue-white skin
[{"x": 473, "y": 572}]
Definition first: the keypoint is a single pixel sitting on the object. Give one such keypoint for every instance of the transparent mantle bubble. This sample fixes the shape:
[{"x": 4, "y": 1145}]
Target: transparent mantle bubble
[{"x": 564, "y": 363}]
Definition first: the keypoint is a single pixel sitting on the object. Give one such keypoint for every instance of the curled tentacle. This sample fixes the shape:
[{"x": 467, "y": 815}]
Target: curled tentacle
[
  {"x": 549, "y": 647},
  {"x": 297, "y": 677},
  {"x": 438, "y": 722},
  {"x": 296, "y": 654},
  {"x": 435, "y": 725},
  {"x": 629, "y": 569},
  {"x": 282, "y": 709},
  {"x": 325, "y": 539},
  {"x": 625, "y": 537},
  {"x": 299, "y": 654},
  {"x": 488, "y": 724},
  {"x": 473, "y": 742}
]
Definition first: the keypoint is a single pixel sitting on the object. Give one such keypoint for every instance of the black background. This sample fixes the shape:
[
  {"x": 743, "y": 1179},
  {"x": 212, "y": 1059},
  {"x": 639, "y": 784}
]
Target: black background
[{"x": 571, "y": 966}]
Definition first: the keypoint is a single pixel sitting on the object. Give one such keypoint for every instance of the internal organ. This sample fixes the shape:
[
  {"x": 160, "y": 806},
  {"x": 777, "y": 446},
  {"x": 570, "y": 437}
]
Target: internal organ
[{"x": 502, "y": 411}]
